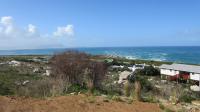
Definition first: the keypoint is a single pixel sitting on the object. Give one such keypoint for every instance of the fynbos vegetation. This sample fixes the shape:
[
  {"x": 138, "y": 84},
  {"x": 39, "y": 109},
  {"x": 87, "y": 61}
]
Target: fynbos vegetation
[
  {"x": 77, "y": 68},
  {"x": 74, "y": 72}
]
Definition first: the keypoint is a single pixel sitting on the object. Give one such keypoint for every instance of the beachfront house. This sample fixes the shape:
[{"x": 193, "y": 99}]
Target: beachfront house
[
  {"x": 183, "y": 71},
  {"x": 137, "y": 66}
]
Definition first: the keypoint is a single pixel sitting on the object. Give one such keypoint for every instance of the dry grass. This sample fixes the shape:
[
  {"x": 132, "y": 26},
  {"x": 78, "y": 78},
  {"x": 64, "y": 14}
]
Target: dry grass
[{"x": 74, "y": 103}]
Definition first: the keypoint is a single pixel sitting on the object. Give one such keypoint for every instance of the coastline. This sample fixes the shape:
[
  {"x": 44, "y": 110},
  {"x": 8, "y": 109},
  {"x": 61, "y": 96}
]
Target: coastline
[
  {"x": 178, "y": 54},
  {"x": 101, "y": 57}
]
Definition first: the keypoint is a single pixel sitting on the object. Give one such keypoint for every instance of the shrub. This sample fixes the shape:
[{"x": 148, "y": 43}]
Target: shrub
[
  {"x": 131, "y": 78},
  {"x": 116, "y": 62},
  {"x": 69, "y": 66},
  {"x": 147, "y": 71},
  {"x": 145, "y": 84},
  {"x": 125, "y": 68},
  {"x": 77, "y": 68},
  {"x": 137, "y": 91},
  {"x": 161, "y": 106},
  {"x": 129, "y": 101},
  {"x": 127, "y": 89},
  {"x": 136, "y": 76},
  {"x": 150, "y": 99},
  {"x": 91, "y": 99},
  {"x": 150, "y": 71},
  {"x": 97, "y": 92},
  {"x": 5, "y": 90},
  {"x": 117, "y": 98},
  {"x": 95, "y": 73},
  {"x": 76, "y": 88},
  {"x": 42, "y": 88},
  {"x": 12, "y": 78},
  {"x": 168, "y": 110},
  {"x": 111, "y": 89},
  {"x": 186, "y": 98}
]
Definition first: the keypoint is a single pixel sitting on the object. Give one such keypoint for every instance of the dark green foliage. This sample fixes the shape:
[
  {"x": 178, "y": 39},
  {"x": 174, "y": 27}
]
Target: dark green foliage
[
  {"x": 131, "y": 78},
  {"x": 186, "y": 98},
  {"x": 137, "y": 76},
  {"x": 150, "y": 99},
  {"x": 120, "y": 60},
  {"x": 116, "y": 62},
  {"x": 23, "y": 60},
  {"x": 125, "y": 68},
  {"x": 111, "y": 89},
  {"x": 150, "y": 71},
  {"x": 168, "y": 110},
  {"x": 142, "y": 76},
  {"x": 5, "y": 89},
  {"x": 127, "y": 89},
  {"x": 162, "y": 106},
  {"x": 76, "y": 88},
  {"x": 98, "y": 92},
  {"x": 117, "y": 98},
  {"x": 12, "y": 77}
]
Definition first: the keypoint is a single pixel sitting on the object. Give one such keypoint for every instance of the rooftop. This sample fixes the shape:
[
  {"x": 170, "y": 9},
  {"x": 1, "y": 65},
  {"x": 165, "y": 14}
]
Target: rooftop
[{"x": 182, "y": 67}]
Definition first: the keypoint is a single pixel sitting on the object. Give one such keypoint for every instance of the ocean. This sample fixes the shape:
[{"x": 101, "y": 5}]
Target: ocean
[{"x": 182, "y": 54}]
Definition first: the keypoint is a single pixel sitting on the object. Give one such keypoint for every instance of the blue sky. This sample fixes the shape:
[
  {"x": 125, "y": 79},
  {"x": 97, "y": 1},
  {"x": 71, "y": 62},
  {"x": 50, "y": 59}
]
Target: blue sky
[{"x": 98, "y": 23}]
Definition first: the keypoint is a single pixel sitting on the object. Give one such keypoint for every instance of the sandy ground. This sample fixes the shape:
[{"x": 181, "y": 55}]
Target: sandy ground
[{"x": 77, "y": 103}]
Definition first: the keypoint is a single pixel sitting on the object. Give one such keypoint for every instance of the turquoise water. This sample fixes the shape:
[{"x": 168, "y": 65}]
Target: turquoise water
[{"x": 175, "y": 54}]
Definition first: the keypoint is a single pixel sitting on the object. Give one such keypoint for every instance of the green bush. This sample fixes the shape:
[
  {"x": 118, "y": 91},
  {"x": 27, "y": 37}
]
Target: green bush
[
  {"x": 150, "y": 99},
  {"x": 12, "y": 78},
  {"x": 186, "y": 98},
  {"x": 76, "y": 88},
  {"x": 117, "y": 98},
  {"x": 168, "y": 110},
  {"x": 127, "y": 89},
  {"x": 161, "y": 106},
  {"x": 146, "y": 85},
  {"x": 91, "y": 99},
  {"x": 150, "y": 71},
  {"x": 38, "y": 89},
  {"x": 138, "y": 76},
  {"x": 5, "y": 90}
]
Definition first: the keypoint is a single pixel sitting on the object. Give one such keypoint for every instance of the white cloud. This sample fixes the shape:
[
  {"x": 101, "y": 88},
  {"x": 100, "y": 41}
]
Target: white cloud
[
  {"x": 7, "y": 20},
  {"x": 64, "y": 31},
  {"x": 31, "y": 28},
  {"x": 15, "y": 37},
  {"x": 1, "y": 29}
]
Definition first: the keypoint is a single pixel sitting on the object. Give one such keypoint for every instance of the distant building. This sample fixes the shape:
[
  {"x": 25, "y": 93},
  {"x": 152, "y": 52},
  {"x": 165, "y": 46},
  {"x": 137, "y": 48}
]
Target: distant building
[
  {"x": 138, "y": 66},
  {"x": 181, "y": 70},
  {"x": 47, "y": 71},
  {"x": 117, "y": 66}
]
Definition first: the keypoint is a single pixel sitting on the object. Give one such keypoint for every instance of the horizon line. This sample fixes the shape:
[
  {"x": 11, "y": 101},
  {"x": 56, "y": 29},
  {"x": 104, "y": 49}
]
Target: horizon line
[{"x": 96, "y": 47}]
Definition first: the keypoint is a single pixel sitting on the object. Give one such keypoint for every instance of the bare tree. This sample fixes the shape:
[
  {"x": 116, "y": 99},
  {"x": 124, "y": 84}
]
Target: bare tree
[
  {"x": 95, "y": 75},
  {"x": 69, "y": 66},
  {"x": 74, "y": 67}
]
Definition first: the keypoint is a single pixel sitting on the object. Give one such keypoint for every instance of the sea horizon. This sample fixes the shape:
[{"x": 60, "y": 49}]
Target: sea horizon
[{"x": 179, "y": 54}]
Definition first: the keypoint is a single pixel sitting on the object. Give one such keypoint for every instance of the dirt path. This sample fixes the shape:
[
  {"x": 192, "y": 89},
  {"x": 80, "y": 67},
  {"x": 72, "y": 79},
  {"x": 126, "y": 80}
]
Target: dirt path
[{"x": 77, "y": 103}]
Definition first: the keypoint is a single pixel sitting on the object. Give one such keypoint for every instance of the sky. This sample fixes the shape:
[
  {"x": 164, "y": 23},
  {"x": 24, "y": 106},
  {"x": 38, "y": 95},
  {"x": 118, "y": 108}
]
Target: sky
[{"x": 38, "y": 24}]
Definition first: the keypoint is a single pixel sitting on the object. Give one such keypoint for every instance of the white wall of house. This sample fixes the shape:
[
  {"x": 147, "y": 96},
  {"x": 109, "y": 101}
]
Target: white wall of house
[
  {"x": 168, "y": 72},
  {"x": 194, "y": 76}
]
